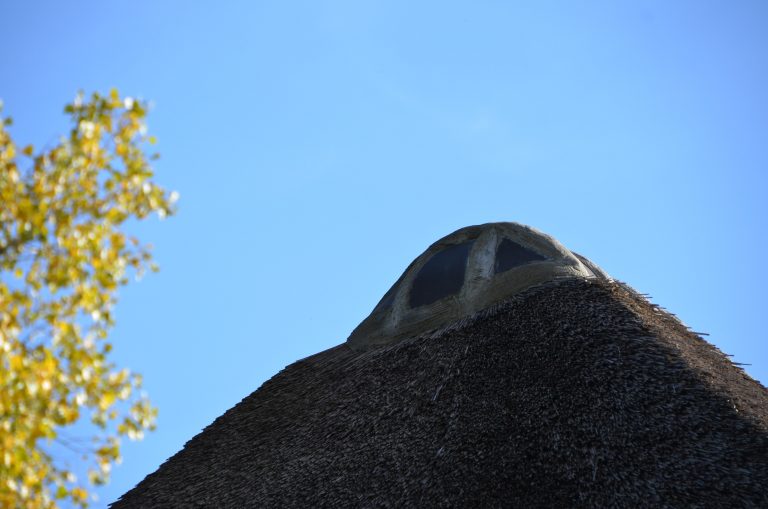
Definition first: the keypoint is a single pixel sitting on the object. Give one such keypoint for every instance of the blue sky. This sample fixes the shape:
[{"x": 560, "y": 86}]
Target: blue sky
[{"x": 318, "y": 147}]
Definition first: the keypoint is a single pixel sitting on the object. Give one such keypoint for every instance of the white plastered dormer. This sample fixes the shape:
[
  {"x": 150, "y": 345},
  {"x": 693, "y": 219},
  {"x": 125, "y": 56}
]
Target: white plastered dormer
[{"x": 465, "y": 272}]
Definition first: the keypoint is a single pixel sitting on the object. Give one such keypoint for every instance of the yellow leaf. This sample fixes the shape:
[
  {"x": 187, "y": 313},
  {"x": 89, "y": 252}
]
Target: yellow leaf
[
  {"x": 107, "y": 400},
  {"x": 65, "y": 216}
]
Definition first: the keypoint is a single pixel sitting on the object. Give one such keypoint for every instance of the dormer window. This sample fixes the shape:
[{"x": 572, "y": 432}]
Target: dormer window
[
  {"x": 511, "y": 254},
  {"x": 441, "y": 276},
  {"x": 465, "y": 272}
]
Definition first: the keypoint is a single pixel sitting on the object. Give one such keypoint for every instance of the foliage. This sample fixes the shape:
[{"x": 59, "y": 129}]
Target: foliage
[{"x": 63, "y": 256}]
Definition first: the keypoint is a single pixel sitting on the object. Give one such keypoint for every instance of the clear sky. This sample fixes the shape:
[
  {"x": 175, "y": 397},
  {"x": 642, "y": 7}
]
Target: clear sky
[{"x": 318, "y": 147}]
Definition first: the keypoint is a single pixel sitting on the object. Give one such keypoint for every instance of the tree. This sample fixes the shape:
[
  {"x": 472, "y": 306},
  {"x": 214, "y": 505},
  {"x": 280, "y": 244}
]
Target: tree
[{"x": 63, "y": 255}]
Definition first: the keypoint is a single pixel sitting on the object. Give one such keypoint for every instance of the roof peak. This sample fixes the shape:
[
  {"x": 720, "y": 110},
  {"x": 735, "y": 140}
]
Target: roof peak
[{"x": 464, "y": 272}]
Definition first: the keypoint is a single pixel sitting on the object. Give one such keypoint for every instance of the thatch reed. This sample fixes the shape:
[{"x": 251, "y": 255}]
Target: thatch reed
[{"x": 575, "y": 393}]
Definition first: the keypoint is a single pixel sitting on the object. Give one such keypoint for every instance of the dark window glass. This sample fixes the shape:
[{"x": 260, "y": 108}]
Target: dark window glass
[
  {"x": 441, "y": 276},
  {"x": 511, "y": 254}
]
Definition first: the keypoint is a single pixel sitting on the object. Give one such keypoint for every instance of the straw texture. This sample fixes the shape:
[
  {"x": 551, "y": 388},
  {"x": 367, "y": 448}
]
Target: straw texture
[{"x": 576, "y": 393}]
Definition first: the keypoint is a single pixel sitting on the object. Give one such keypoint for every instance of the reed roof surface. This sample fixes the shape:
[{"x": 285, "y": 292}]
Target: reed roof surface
[{"x": 575, "y": 393}]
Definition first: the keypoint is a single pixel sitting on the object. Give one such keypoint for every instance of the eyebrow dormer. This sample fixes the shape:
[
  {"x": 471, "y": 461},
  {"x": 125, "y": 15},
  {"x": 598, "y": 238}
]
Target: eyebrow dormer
[{"x": 463, "y": 273}]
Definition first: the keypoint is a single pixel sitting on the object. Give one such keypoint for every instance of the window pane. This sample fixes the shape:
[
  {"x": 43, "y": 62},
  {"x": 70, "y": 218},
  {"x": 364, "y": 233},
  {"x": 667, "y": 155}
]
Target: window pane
[
  {"x": 511, "y": 254},
  {"x": 441, "y": 276}
]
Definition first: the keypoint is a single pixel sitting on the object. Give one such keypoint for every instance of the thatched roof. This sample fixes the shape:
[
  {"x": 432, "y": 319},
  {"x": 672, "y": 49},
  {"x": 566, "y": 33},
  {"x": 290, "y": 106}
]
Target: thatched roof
[{"x": 572, "y": 393}]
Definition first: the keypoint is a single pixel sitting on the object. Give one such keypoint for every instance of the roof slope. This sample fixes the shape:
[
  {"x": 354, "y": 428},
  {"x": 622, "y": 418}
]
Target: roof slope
[{"x": 573, "y": 393}]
